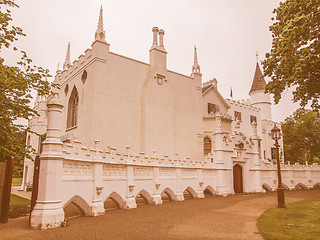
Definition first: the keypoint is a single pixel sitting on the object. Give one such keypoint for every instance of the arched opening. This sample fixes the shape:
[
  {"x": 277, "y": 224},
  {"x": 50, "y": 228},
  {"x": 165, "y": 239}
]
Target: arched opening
[
  {"x": 285, "y": 186},
  {"x": 300, "y": 186},
  {"x": 189, "y": 193},
  {"x": 76, "y": 207},
  {"x": 237, "y": 179},
  {"x": 143, "y": 197},
  {"x": 207, "y": 145},
  {"x": 28, "y": 142},
  {"x": 209, "y": 192},
  {"x": 73, "y": 105},
  {"x": 316, "y": 186},
  {"x": 66, "y": 90},
  {"x": 84, "y": 76},
  {"x": 266, "y": 187},
  {"x": 113, "y": 201},
  {"x": 167, "y": 195}
]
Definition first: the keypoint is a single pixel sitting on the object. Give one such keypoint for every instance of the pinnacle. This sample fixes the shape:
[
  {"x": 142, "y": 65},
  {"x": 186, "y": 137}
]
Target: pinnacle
[
  {"x": 67, "y": 60},
  {"x": 196, "y": 66},
  {"x": 100, "y": 33}
]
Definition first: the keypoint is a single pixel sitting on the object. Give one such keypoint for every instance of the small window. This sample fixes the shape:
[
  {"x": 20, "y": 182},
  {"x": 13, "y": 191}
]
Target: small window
[
  {"x": 213, "y": 108},
  {"x": 237, "y": 116},
  {"x": 253, "y": 119},
  {"x": 84, "y": 76},
  {"x": 66, "y": 90},
  {"x": 28, "y": 142},
  {"x": 207, "y": 145},
  {"x": 73, "y": 109}
]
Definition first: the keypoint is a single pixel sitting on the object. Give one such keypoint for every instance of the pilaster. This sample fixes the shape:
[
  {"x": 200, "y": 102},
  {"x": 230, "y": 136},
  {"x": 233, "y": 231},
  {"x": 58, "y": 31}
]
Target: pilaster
[
  {"x": 97, "y": 206},
  {"x": 156, "y": 197},
  {"x": 219, "y": 153},
  {"x": 130, "y": 200},
  {"x": 179, "y": 193},
  {"x": 48, "y": 211},
  {"x": 199, "y": 191}
]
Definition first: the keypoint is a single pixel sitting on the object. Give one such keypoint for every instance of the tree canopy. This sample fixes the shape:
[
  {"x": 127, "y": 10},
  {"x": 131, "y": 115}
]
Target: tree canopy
[
  {"x": 16, "y": 85},
  {"x": 302, "y": 136},
  {"x": 294, "y": 59}
]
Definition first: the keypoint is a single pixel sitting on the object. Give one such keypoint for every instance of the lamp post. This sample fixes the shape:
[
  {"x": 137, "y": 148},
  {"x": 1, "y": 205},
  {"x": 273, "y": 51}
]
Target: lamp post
[{"x": 276, "y": 135}]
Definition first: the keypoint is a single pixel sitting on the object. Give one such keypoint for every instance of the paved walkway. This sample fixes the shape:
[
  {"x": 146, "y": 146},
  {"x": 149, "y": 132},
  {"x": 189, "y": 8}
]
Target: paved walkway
[{"x": 233, "y": 217}]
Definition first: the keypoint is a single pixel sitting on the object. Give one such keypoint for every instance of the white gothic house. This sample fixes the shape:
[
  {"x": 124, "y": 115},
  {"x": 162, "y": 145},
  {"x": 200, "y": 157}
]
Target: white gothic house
[{"x": 119, "y": 128}]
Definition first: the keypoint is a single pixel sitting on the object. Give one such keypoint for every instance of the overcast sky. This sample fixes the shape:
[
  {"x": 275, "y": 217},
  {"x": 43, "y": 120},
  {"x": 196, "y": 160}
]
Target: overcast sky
[{"x": 227, "y": 34}]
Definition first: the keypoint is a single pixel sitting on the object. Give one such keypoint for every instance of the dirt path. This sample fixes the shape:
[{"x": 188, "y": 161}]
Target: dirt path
[{"x": 232, "y": 217}]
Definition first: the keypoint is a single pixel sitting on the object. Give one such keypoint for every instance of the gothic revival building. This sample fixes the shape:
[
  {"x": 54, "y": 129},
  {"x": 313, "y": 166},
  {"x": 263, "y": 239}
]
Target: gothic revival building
[{"x": 120, "y": 128}]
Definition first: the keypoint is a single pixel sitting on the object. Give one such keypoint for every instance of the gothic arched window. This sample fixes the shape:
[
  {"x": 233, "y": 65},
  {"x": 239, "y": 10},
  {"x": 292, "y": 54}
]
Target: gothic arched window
[
  {"x": 73, "y": 109},
  {"x": 207, "y": 145}
]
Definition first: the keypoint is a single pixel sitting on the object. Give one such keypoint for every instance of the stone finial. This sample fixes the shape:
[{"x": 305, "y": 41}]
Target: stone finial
[
  {"x": 161, "y": 33},
  {"x": 67, "y": 60},
  {"x": 155, "y": 31},
  {"x": 100, "y": 33},
  {"x": 257, "y": 55},
  {"x": 195, "y": 66}
]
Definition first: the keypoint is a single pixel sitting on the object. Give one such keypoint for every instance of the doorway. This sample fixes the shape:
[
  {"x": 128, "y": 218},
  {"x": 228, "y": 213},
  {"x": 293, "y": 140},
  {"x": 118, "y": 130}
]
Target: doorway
[{"x": 237, "y": 179}]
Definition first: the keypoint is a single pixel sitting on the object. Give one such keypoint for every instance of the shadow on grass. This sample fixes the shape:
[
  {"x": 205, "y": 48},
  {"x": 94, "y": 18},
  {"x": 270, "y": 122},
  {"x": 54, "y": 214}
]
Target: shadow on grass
[{"x": 299, "y": 220}]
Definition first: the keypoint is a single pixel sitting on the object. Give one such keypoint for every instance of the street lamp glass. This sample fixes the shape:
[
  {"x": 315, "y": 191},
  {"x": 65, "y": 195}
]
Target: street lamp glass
[{"x": 275, "y": 133}]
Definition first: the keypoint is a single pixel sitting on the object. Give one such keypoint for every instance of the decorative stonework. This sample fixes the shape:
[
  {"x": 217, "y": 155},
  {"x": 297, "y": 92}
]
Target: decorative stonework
[
  {"x": 189, "y": 172},
  {"x": 299, "y": 174},
  {"x": 77, "y": 168},
  {"x": 315, "y": 174},
  {"x": 142, "y": 171},
  {"x": 160, "y": 79},
  {"x": 285, "y": 174},
  {"x": 208, "y": 173},
  {"x": 113, "y": 170},
  {"x": 167, "y": 171},
  {"x": 266, "y": 174}
]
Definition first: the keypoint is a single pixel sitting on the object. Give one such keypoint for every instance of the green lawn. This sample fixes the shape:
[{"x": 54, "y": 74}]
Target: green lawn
[
  {"x": 18, "y": 201},
  {"x": 299, "y": 220},
  {"x": 16, "y": 181}
]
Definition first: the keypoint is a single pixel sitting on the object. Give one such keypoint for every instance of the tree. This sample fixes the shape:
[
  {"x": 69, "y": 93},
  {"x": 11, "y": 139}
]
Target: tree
[
  {"x": 302, "y": 136},
  {"x": 294, "y": 59},
  {"x": 16, "y": 86}
]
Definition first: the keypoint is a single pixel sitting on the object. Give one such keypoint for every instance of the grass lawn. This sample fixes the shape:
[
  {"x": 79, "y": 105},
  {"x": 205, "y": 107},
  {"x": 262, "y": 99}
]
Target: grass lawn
[
  {"x": 299, "y": 220},
  {"x": 18, "y": 201},
  {"x": 16, "y": 181}
]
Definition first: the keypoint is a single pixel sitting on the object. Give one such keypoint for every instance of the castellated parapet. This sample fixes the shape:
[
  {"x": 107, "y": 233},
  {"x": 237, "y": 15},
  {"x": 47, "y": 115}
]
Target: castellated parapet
[{"x": 167, "y": 134}]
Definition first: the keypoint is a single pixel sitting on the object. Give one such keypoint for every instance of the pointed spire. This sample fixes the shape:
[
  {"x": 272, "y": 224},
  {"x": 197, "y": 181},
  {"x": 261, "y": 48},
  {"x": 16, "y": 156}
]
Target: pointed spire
[
  {"x": 67, "y": 61},
  {"x": 257, "y": 56},
  {"x": 258, "y": 83},
  {"x": 100, "y": 33},
  {"x": 195, "y": 66}
]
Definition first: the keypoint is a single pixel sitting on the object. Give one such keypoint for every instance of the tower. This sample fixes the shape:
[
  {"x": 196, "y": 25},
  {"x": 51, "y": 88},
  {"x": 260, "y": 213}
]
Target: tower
[{"x": 258, "y": 97}]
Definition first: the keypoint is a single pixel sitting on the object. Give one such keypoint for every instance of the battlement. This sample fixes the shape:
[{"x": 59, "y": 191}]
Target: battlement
[
  {"x": 222, "y": 115},
  {"x": 76, "y": 151},
  {"x": 212, "y": 82},
  {"x": 245, "y": 103},
  {"x": 296, "y": 166},
  {"x": 73, "y": 68}
]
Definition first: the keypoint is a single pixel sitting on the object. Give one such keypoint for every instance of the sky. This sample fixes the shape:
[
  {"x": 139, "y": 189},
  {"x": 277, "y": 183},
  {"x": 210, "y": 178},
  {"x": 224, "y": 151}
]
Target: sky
[{"x": 227, "y": 35}]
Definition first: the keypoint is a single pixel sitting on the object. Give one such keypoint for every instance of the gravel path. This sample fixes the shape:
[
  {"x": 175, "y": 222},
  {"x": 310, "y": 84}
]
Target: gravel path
[{"x": 233, "y": 217}]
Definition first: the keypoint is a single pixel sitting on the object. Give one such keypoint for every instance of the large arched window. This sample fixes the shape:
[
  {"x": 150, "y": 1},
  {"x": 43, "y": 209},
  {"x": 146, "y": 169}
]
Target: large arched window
[
  {"x": 73, "y": 109},
  {"x": 207, "y": 145}
]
